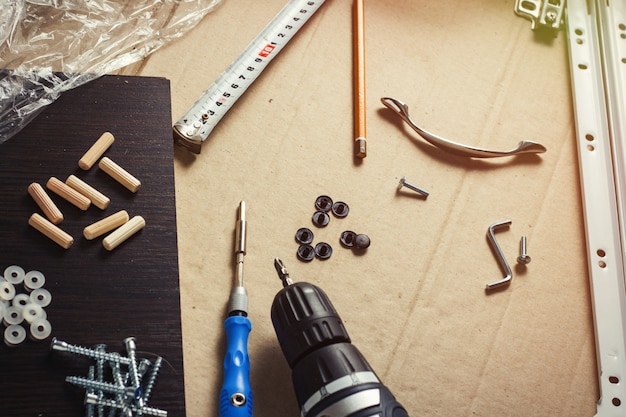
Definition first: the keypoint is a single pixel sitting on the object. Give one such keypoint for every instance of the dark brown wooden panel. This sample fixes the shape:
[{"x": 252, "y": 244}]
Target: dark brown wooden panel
[{"x": 98, "y": 296}]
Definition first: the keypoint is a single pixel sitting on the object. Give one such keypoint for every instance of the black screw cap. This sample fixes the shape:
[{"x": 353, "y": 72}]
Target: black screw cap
[
  {"x": 340, "y": 209},
  {"x": 323, "y": 203},
  {"x": 347, "y": 238},
  {"x": 306, "y": 253},
  {"x": 323, "y": 250},
  {"x": 304, "y": 235},
  {"x": 361, "y": 241},
  {"x": 321, "y": 219}
]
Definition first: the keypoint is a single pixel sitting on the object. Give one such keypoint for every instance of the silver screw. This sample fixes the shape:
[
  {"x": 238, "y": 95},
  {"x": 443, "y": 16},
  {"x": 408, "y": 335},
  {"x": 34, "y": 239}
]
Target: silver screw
[
  {"x": 143, "y": 366},
  {"x": 131, "y": 349},
  {"x": 152, "y": 379},
  {"x": 90, "y": 353},
  {"x": 100, "y": 374},
  {"x": 121, "y": 398},
  {"x": 94, "y": 385},
  {"x": 523, "y": 257},
  {"x": 89, "y": 410},
  {"x": 150, "y": 411},
  {"x": 130, "y": 399},
  {"x": 100, "y": 362},
  {"x": 410, "y": 186},
  {"x": 551, "y": 16}
]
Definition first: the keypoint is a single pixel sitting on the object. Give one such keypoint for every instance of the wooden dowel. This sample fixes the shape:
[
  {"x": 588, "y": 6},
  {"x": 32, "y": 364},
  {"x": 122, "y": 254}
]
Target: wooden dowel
[
  {"x": 68, "y": 193},
  {"x": 123, "y": 232},
  {"x": 97, "y": 149},
  {"x": 119, "y": 174},
  {"x": 45, "y": 203},
  {"x": 51, "y": 231},
  {"x": 105, "y": 225},
  {"x": 96, "y": 197}
]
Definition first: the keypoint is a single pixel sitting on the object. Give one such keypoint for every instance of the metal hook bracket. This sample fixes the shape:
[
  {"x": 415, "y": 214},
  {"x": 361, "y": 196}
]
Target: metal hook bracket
[
  {"x": 491, "y": 235},
  {"x": 542, "y": 13}
]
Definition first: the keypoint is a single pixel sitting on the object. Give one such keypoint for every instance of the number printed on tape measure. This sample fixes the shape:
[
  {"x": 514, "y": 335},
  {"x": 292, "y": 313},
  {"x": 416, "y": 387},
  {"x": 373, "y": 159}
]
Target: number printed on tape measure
[
  {"x": 196, "y": 125},
  {"x": 267, "y": 50}
]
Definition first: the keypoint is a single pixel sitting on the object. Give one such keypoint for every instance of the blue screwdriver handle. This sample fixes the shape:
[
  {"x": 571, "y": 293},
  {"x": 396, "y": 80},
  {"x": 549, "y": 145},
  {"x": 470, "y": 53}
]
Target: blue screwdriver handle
[{"x": 236, "y": 394}]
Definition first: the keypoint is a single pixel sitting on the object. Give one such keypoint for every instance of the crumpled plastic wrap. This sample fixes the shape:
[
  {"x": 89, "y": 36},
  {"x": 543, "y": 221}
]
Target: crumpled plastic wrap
[{"x": 50, "y": 46}]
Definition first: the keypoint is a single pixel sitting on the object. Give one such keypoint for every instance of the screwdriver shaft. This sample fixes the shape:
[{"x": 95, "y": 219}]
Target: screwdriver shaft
[
  {"x": 238, "y": 302},
  {"x": 240, "y": 243}
]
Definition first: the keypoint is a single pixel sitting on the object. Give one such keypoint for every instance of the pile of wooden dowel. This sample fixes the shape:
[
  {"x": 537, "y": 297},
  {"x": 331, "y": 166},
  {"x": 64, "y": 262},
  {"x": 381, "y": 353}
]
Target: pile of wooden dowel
[{"x": 82, "y": 195}]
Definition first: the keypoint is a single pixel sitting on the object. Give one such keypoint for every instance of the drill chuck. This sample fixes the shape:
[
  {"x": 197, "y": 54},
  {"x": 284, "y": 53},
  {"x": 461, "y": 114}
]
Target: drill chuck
[{"x": 331, "y": 378}]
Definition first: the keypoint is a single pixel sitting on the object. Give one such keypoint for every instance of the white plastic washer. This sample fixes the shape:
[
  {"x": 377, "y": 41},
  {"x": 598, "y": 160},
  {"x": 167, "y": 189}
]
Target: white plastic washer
[
  {"x": 32, "y": 312},
  {"x": 41, "y": 296},
  {"x": 7, "y": 291},
  {"x": 14, "y": 335},
  {"x": 20, "y": 300},
  {"x": 34, "y": 280},
  {"x": 14, "y": 274},
  {"x": 12, "y": 315},
  {"x": 40, "y": 329}
]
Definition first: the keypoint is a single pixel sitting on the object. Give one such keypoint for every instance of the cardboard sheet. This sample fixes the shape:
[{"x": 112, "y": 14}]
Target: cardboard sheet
[{"x": 415, "y": 303}]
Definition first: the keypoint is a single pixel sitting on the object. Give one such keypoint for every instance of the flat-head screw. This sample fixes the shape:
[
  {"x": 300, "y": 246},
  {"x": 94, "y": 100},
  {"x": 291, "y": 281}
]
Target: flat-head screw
[
  {"x": 151, "y": 379},
  {"x": 90, "y": 409},
  {"x": 120, "y": 398},
  {"x": 149, "y": 411},
  {"x": 131, "y": 349},
  {"x": 62, "y": 346},
  {"x": 100, "y": 375},
  {"x": 130, "y": 345},
  {"x": 523, "y": 257},
  {"x": 100, "y": 362},
  {"x": 410, "y": 186},
  {"x": 143, "y": 366},
  {"x": 91, "y": 384}
]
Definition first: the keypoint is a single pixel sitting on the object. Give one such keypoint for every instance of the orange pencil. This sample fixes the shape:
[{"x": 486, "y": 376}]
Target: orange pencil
[{"x": 359, "y": 81}]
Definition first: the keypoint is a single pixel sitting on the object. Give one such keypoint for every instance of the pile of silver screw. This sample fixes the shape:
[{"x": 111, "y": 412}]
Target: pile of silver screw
[{"x": 132, "y": 380}]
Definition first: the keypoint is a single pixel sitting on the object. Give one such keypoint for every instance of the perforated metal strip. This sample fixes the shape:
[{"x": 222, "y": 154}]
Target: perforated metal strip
[{"x": 597, "y": 63}]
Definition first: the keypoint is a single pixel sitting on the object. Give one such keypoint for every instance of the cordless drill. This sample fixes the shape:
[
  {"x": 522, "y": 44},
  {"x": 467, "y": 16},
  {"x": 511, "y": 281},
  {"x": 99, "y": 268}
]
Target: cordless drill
[{"x": 330, "y": 376}]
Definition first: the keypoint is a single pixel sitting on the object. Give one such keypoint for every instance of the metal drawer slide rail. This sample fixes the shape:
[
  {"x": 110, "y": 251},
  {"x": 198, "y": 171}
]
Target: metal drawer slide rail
[{"x": 596, "y": 32}]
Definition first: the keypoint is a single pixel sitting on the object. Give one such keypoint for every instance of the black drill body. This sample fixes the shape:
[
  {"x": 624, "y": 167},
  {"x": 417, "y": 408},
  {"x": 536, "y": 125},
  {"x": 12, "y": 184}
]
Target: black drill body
[{"x": 330, "y": 376}]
